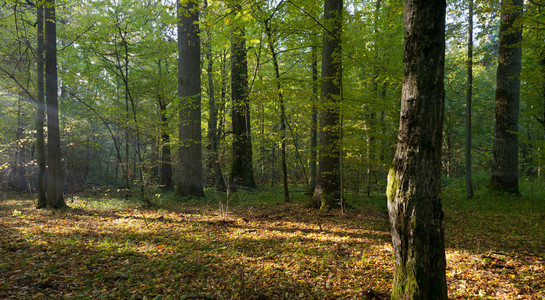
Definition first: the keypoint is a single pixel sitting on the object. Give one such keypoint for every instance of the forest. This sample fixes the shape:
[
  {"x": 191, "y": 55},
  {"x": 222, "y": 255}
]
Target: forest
[{"x": 272, "y": 149}]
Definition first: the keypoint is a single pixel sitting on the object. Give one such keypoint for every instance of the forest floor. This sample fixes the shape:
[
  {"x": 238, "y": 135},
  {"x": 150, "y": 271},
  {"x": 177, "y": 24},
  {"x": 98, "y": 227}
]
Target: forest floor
[{"x": 257, "y": 248}]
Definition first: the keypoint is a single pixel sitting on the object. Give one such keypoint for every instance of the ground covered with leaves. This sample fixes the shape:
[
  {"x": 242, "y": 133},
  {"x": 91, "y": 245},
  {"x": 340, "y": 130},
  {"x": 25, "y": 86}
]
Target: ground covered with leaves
[{"x": 103, "y": 248}]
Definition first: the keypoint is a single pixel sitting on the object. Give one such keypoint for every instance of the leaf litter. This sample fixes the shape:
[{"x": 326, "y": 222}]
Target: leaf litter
[{"x": 277, "y": 252}]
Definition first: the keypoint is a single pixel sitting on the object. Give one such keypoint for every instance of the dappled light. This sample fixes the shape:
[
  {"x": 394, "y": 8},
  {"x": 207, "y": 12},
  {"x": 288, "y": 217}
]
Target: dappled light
[{"x": 108, "y": 248}]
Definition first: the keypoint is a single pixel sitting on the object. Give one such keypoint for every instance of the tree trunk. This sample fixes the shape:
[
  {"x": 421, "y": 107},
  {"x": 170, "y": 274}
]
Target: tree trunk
[
  {"x": 242, "y": 168},
  {"x": 189, "y": 181},
  {"x": 542, "y": 64},
  {"x": 506, "y": 111},
  {"x": 328, "y": 184},
  {"x": 165, "y": 165},
  {"x": 314, "y": 120},
  {"x": 40, "y": 115},
  {"x": 55, "y": 197},
  {"x": 213, "y": 138},
  {"x": 469, "y": 184},
  {"x": 414, "y": 186},
  {"x": 165, "y": 173},
  {"x": 282, "y": 112}
]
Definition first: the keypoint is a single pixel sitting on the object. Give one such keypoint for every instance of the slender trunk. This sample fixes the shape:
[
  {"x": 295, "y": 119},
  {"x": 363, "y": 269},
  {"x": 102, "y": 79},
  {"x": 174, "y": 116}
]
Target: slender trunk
[
  {"x": 371, "y": 114},
  {"x": 165, "y": 165},
  {"x": 370, "y": 139},
  {"x": 190, "y": 177},
  {"x": 448, "y": 142},
  {"x": 40, "y": 101},
  {"x": 542, "y": 64},
  {"x": 314, "y": 119},
  {"x": 328, "y": 184},
  {"x": 124, "y": 71},
  {"x": 165, "y": 179},
  {"x": 282, "y": 112},
  {"x": 18, "y": 178},
  {"x": 506, "y": 110},
  {"x": 469, "y": 185},
  {"x": 215, "y": 167},
  {"x": 414, "y": 180},
  {"x": 127, "y": 156}
]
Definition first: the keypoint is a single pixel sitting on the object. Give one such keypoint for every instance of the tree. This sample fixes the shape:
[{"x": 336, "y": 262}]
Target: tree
[
  {"x": 469, "y": 184},
  {"x": 242, "y": 172},
  {"x": 213, "y": 136},
  {"x": 414, "y": 186},
  {"x": 313, "y": 119},
  {"x": 55, "y": 197},
  {"x": 506, "y": 110},
  {"x": 271, "y": 44},
  {"x": 190, "y": 178},
  {"x": 40, "y": 116},
  {"x": 165, "y": 167},
  {"x": 328, "y": 183}
]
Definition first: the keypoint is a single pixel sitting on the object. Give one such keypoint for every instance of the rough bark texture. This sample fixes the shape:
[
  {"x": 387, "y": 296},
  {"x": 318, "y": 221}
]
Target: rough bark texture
[
  {"x": 242, "y": 172},
  {"x": 190, "y": 177},
  {"x": 506, "y": 110},
  {"x": 40, "y": 114},
  {"x": 328, "y": 184},
  {"x": 414, "y": 203},
  {"x": 55, "y": 197},
  {"x": 469, "y": 185}
]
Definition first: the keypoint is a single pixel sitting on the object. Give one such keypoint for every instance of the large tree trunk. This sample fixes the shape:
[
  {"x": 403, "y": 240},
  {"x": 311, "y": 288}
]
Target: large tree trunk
[
  {"x": 242, "y": 168},
  {"x": 414, "y": 186},
  {"x": 189, "y": 181},
  {"x": 506, "y": 111},
  {"x": 328, "y": 184},
  {"x": 40, "y": 115},
  {"x": 55, "y": 197},
  {"x": 469, "y": 184}
]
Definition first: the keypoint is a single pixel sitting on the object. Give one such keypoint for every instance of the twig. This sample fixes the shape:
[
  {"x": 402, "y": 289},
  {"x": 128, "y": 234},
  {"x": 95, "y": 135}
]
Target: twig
[{"x": 145, "y": 220}]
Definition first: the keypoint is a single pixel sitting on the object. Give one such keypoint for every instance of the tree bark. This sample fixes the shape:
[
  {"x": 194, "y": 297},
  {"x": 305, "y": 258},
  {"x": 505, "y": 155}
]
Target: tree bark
[
  {"x": 469, "y": 184},
  {"x": 55, "y": 197},
  {"x": 40, "y": 115},
  {"x": 242, "y": 167},
  {"x": 414, "y": 186},
  {"x": 190, "y": 177},
  {"x": 506, "y": 110},
  {"x": 328, "y": 184}
]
